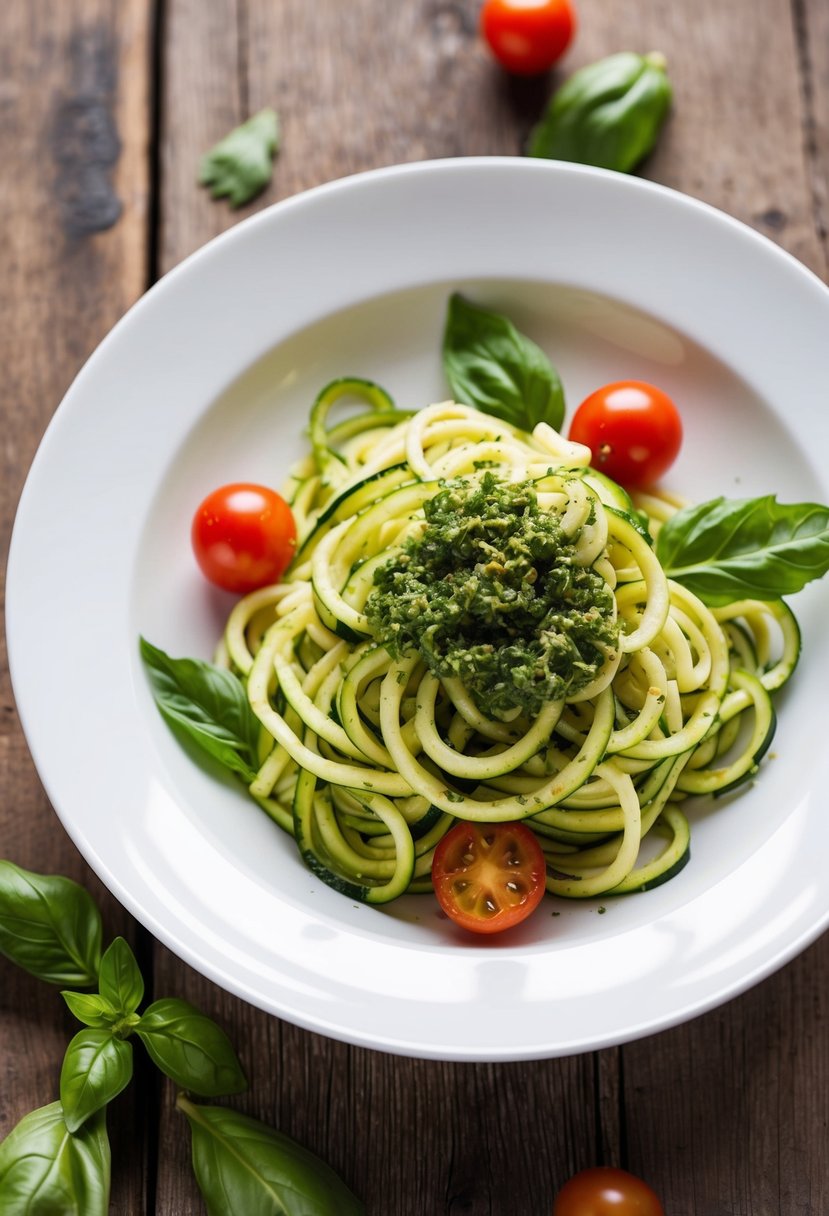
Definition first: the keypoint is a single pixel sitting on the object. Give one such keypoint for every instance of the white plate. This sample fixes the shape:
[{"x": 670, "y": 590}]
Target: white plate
[{"x": 208, "y": 380}]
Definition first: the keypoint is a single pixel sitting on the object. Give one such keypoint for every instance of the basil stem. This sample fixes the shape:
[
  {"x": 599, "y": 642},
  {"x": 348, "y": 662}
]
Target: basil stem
[
  {"x": 47, "y": 1171},
  {"x": 490, "y": 365},
  {"x": 607, "y": 114},
  {"x": 49, "y": 926},
  {"x": 209, "y": 704},
  {"x": 749, "y": 548},
  {"x": 96, "y": 1067},
  {"x": 244, "y": 1166},
  {"x": 189, "y": 1047}
]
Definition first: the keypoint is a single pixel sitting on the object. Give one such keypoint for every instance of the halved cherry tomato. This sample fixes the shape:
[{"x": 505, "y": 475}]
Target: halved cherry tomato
[
  {"x": 244, "y": 537},
  {"x": 633, "y": 430},
  {"x": 605, "y": 1191},
  {"x": 488, "y": 876},
  {"x": 528, "y": 36}
]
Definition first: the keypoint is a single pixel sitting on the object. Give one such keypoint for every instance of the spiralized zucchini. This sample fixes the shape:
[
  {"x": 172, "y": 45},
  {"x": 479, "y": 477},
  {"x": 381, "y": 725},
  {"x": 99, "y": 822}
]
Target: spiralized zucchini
[{"x": 368, "y": 758}]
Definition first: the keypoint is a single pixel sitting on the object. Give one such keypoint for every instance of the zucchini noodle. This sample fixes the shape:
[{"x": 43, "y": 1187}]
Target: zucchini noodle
[{"x": 368, "y": 754}]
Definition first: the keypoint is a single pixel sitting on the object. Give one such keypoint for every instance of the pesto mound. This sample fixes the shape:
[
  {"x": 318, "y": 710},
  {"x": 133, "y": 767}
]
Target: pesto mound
[{"x": 491, "y": 593}]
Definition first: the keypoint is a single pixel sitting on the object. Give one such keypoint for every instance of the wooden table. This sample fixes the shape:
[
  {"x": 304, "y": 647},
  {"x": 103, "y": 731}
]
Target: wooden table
[{"x": 105, "y": 107}]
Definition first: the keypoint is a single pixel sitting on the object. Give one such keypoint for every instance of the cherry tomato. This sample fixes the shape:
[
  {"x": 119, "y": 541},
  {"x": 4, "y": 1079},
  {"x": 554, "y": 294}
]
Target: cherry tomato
[
  {"x": 244, "y": 537},
  {"x": 528, "y": 36},
  {"x": 633, "y": 430},
  {"x": 488, "y": 876},
  {"x": 605, "y": 1191}
]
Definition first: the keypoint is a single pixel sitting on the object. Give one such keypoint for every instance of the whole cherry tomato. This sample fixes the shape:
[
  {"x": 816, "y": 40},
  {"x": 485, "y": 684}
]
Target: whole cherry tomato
[
  {"x": 528, "y": 36},
  {"x": 633, "y": 430},
  {"x": 488, "y": 876},
  {"x": 243, "y": 537},
  {"x": 605, "y": 1191}
]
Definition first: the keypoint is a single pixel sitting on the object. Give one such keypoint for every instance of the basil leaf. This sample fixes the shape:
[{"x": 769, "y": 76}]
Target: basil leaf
[
  {"x": 209, "y": 704},
  {"x": 240, "y": 165},
  {"x": 46, "y": 1171},
  {"x": 242, "y": 1165},
  {"x": 608, "y": 113},
  {"x": 119, "y": 980},
  {"x": 189, "y": 1047},
  {"x": 749, "y": 548},
  {"x": 96, "y": 1067},
  {"x": 90, "y": 1008},
  {"x": 490, "y": 365},
  {"x": 50, "y": 926}
]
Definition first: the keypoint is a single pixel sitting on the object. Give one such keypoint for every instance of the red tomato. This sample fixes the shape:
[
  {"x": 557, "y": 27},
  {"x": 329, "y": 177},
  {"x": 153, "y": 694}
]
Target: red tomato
[
  {"x": 528, "y": 36},
  {"x": 244, "y": 537},
  {"x": 633, "y": 430},
  {"x": 604, "y": 1191},
  {"x": 488, "y": 876}
]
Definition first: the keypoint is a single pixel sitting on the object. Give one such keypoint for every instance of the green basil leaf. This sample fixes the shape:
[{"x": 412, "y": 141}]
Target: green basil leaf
[
  {"x": 240, "y": 165},
  {"x": 242, "y": 1165},
  {"x": 490, "y": 365},
  {"x": 209, "y": 704},
  {"x": 96, "y": 1067},
  {"x": 119, "y": 979},
  {"x": 608, "y": 113},
  {"x": 47, "y": 1171},
  {"x": 50, "y": 926},
  {"x": 747, "y": 548},
  {"x": 189, "y": 1047},
  {"x": 90, "y": 1008}
]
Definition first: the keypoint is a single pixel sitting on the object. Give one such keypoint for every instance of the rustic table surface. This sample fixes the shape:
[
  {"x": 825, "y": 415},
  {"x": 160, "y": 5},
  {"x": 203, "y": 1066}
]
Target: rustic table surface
[{"x": 105, "y": 107}]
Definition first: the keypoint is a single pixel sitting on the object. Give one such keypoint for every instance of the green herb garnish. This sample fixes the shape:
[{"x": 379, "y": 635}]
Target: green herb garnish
[
  {"x": 490, "y": 365},
  {"x": 749, "y": 548},
  {"x": 239, "y": 166},
  {"x": 209, "y": 704},
  {"x": 57, "y": 1159},
  {"x": 607, "y": 114}
]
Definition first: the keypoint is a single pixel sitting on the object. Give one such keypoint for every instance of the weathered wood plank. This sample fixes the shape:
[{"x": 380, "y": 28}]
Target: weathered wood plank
[
  {"x": 811, "y": 19},
  {"x": 729, "y": 1113},
  {"x": 73, "y": 195},
  {"x": 202, "y": 99}
]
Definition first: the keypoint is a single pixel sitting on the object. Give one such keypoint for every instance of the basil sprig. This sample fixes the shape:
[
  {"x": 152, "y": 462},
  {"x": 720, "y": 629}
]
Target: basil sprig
[
  {"x": 46, "y": 1170},
  {"x": 490, "y": 365},
  {"x": 56, "y": 1161},
  {"x": 241, "y": 1165},
  {"x": 49, "y": 926},
  {"x": 748, "y": 548},
  {"x": 209, "y": 704}
]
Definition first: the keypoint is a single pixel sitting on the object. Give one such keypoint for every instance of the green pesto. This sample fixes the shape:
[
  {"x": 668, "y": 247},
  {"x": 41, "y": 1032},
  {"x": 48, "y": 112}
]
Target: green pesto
[{"x": 491, "y": 593}]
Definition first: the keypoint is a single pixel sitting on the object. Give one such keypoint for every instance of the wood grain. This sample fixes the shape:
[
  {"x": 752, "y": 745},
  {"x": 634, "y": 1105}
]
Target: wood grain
[
  {"x": 811, "y": 18},
  {"x": 73, "y": 195},
  {"x": 201, "y": 101},
  {"x": 726, "y": 1114}
]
